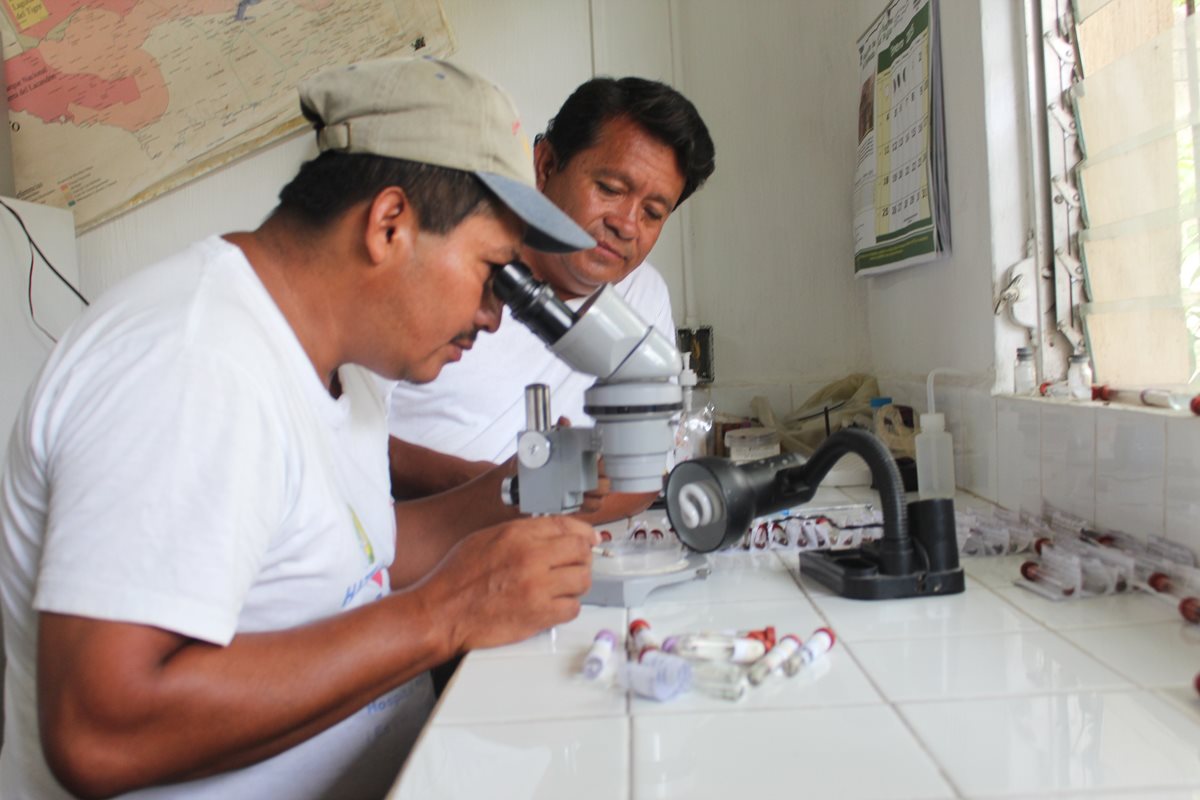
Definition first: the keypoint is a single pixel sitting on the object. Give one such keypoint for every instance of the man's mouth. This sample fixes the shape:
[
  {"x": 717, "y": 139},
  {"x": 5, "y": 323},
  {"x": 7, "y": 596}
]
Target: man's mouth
[{"x": 609, "y": 251}]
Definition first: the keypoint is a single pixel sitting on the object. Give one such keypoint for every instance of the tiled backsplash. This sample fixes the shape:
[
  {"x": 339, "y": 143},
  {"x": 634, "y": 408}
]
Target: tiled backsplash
[{"x": 1133, "y": 469}]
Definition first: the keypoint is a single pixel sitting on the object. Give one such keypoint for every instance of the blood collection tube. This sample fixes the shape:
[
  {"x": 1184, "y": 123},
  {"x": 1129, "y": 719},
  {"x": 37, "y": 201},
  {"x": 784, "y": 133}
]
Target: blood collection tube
[
  {"x": 762, "y": 536},
  {"x": 817, "y": 645},
  {"x": 775, "y": 657},
  {"x": 658, "y": 675},
  {"x": 599, "y": 654},
  {"x": 642, "y": 639},
  {"x": 718, "y": 647},
  {"x": 765, "y": 635},
  {"x": 1189, "y": 607},
  {"x": 1032, "y": 571}
]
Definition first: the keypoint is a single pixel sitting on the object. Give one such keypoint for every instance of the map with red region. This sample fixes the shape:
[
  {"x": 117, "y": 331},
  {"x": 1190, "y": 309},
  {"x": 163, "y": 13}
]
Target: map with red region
[{"x": 112, "y": 102}]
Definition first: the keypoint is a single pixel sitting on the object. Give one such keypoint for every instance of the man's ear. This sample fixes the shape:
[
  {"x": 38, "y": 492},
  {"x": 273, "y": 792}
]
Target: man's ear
[
  {"x": 391, "y": 224},
  {"x": 544, "y": 162}
]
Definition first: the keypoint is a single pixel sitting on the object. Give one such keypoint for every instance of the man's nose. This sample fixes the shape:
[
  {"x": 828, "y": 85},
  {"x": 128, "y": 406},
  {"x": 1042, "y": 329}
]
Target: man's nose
[
  {"x": 623, "y": 219},
  {"x": 490, "y": 309}
]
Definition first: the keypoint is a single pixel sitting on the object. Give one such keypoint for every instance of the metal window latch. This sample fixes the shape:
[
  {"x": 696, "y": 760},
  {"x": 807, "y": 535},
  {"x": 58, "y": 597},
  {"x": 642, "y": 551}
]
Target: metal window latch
[
  {"x": 1070, "y": 263},
  {"x": 1061, "y": 47},
  {"x": 1009, "y": 295},
  {"x": 1064, "y": 118},
  {"x": 1064, "y": 192}
]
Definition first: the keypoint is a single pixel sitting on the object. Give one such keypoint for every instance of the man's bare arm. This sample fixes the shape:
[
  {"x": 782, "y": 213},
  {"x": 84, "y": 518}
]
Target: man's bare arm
[
  {"x": 419, "y": 472},
  {"x": 125, "y": 706}
]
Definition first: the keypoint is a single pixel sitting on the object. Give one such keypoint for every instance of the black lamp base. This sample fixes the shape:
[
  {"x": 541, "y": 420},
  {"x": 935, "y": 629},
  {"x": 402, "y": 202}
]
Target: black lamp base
[{"x": 860, "y": 573}]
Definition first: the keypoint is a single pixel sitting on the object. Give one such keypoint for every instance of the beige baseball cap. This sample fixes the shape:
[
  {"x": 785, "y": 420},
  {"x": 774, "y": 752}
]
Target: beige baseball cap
[{"x": 433, "y": 112}]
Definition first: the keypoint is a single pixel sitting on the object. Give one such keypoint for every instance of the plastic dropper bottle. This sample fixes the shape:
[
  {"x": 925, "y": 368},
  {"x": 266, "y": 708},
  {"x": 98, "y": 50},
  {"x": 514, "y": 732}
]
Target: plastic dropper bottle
[{"x": 935, "y": 451}]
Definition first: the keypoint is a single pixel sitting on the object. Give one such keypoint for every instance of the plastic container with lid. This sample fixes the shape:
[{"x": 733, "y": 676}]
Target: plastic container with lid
[
  {"x": 877, "y": 406},
  {"x": 1079, "y": 377},
  {"x": 751, "y": 444},
  {"x": 1025, "y": 372}
]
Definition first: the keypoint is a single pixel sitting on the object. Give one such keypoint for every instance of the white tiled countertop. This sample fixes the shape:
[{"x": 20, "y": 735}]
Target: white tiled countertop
[{"x": 995, "y": 692}]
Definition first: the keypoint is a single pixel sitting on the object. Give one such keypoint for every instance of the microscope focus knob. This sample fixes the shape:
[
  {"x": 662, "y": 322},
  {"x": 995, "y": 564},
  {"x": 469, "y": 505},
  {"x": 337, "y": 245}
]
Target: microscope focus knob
[
  {"x": 533, "y": 449},
  {"x": 510, "y": 491}
]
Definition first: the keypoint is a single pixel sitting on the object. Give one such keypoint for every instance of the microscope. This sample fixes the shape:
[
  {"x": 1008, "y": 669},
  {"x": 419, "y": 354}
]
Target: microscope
[
  {"x": 634, "y": 400},
  {"x": 710, "y": 501}
]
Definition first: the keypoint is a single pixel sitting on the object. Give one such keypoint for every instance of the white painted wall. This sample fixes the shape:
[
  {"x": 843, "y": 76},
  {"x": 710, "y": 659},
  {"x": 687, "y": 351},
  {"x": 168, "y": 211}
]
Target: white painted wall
[
  {"x": 771, "y": 233},
  {"x": 771, "y": 237}
]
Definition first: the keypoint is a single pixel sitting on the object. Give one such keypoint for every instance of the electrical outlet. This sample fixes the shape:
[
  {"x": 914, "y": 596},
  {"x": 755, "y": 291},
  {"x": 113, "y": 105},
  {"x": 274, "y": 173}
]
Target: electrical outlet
[{"x": 699, "y": 342}]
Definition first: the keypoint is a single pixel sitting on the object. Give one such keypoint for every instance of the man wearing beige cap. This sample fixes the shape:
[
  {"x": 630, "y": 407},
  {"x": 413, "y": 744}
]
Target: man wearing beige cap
[{"x": 205, "y": 593}]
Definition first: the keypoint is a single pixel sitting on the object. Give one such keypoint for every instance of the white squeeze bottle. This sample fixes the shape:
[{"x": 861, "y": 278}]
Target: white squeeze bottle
[{"x": 935, "y": 452}]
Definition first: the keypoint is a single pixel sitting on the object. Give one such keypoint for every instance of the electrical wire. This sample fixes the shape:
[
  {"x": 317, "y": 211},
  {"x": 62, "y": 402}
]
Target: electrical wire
[{"x": 35, "y": 250}]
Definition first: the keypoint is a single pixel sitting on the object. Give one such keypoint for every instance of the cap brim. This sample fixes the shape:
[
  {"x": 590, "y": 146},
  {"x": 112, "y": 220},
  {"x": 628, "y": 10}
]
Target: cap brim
[{"x": 549, "y": 229}]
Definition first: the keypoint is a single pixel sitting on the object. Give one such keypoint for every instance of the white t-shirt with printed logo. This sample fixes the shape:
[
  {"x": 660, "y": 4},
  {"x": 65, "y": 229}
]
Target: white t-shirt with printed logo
[{"x": 178, "y": 463}]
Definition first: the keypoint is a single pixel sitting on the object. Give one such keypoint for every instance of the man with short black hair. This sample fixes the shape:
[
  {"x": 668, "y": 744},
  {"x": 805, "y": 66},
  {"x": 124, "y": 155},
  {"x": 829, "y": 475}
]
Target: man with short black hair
[
  {"x": 205, "y": 591},
  {"x": 619, "y": 157}
]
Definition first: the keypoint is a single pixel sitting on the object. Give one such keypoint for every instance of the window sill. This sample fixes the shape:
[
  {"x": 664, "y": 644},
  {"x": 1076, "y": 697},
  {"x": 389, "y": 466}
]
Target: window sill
[{"x": 1098, "y": 404}]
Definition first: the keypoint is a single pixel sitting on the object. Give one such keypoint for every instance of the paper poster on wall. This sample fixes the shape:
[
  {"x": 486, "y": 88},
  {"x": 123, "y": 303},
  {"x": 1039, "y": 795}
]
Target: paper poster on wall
[
  {"x": 113, "y": 102},
  {"x": 901, "y": 210}
]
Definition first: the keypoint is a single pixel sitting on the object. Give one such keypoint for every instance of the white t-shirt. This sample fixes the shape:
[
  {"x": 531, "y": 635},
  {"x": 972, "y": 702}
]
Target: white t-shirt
[
  {"x": 476, "y": 407},
  {"x": 178, "y": 463}
]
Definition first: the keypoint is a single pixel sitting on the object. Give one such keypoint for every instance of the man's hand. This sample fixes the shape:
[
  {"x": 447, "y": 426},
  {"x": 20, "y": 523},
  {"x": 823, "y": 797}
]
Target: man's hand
[
  {"x": 601, "y": 505},
  {"x": 506, "y": 583}
]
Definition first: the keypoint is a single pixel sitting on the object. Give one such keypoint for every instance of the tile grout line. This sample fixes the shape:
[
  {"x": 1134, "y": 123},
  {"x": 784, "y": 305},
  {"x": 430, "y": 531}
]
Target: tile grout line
[{"x": 921, "y": 743}]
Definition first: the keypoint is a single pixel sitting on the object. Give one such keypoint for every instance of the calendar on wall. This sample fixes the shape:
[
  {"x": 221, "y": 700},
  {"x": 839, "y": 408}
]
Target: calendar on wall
[{"x": 901, "y": 209}]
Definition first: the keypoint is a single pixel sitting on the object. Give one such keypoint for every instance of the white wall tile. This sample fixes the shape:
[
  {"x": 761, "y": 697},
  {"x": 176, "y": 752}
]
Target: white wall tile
[
  {"x": 1182, "y": 484},
  {"x": 976, "y": 470},
  {"x": 1069, "y": 458},
  {"x": 1019, "y": 454},
  {"x": 1130, "y": 464}
]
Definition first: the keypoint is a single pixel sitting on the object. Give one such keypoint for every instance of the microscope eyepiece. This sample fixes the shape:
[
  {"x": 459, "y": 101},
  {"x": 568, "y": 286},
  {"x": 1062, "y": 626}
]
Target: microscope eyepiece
[{"x": 532, "y": 302}]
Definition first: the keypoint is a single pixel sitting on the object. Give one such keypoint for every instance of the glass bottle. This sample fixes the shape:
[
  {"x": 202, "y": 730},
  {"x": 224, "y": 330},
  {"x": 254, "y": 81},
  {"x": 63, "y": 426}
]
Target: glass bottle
[
  {"x": 694, "y": 431},
  {"x": 1024, "y": 372},
  {"x": 1079, "y": 377}
]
